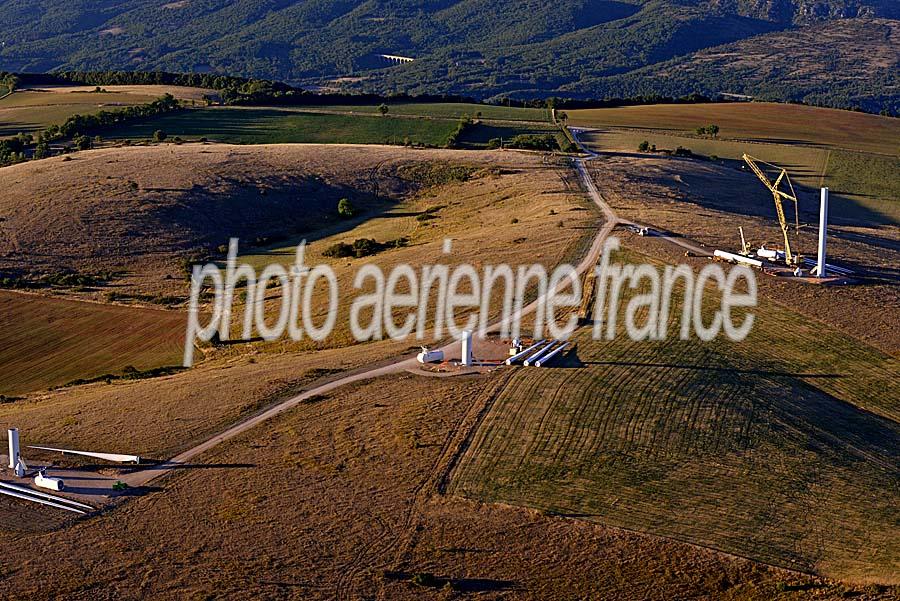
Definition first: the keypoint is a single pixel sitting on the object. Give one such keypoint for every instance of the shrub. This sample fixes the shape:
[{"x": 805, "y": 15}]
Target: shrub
[
  {"x": 461, "y": 126},
  {"x": 159, "y": 135},
  {"x": 644, "y": 146},
  {"x": 82, "y": 142},
  {"x": 345, "y": 208},
  {"x": 340, "y": 249},
  {"x": 362, "y": 247},
  {"x": 426, "y": 579},
  {"x": 534, "y": 142}
]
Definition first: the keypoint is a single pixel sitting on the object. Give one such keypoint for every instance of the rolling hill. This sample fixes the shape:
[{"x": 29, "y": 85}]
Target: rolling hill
[{"x": 576, "y": 48}]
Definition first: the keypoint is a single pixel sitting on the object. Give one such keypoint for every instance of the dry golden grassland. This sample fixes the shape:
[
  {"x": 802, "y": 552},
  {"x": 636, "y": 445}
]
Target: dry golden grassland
[
  {"x": 336, "y": 499},
  {"x": 193, "y": 198},
  {"x": 171, "y": 412}
]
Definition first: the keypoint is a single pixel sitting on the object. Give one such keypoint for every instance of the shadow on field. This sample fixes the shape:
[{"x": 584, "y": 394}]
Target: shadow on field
[
  {"x": 195, "y": 466},
  {"x": 729, "y": 370},
  {"x": 464, "y": 585},
  {"x": 729, "y": 185}
]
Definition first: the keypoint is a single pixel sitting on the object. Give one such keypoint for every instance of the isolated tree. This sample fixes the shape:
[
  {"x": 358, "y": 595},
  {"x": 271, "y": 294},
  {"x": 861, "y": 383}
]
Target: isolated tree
[
  {"x": 708, "y": 130},
  {"x": 345, "y": 209},
  {"x": 383, "y": 109},
  {"x": 644, "y": 146}
]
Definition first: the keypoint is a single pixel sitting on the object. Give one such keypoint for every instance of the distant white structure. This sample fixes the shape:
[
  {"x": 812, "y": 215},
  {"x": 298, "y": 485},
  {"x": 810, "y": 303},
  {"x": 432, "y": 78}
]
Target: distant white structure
[
  {"x": 13, "y": 437},
  {"x": 397, "y": 59},
  {"x": 467, "y": 347},
  {"x": 823, "y": 233}
]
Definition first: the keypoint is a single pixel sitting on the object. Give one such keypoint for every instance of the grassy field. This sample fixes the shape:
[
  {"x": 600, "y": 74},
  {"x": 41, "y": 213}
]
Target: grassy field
[
  {"x": 858, "y": 179},
  {"x": 759, "y": 122},
  {"x": 478, "y": 135},
  {"x": 278, "y": 126},
  {"x": 428, "y": 124},
  {"x": 32, "y": 110},
  {"x": 850, "y": 172},
  {"x": 447, "y": 110},
  {"x": 50, "y": 341},
  {"x": 783, "y": 448}
]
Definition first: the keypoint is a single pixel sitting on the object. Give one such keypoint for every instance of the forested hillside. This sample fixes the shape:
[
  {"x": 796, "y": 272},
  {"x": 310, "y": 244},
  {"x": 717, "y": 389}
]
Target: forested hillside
[{"x": 484, "y": 48}]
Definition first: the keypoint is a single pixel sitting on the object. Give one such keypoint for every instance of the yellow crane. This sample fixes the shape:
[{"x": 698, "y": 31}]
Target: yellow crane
[{"x": 778, "y": 194}]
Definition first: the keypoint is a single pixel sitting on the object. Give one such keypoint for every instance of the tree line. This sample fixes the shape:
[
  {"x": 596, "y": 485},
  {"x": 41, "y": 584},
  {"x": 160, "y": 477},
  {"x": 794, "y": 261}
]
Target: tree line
[{"x": 80, "y": 128}]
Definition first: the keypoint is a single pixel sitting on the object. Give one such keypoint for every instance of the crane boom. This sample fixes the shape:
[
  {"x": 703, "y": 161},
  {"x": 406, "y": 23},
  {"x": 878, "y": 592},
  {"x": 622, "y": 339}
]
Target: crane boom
[{"x": 778, "y": 195}]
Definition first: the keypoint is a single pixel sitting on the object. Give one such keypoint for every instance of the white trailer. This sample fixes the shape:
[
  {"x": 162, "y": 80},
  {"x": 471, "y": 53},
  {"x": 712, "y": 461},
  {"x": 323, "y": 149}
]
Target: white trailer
[
  {"x": 49, "y": 483},
  {"x": 429, "y": 356}
]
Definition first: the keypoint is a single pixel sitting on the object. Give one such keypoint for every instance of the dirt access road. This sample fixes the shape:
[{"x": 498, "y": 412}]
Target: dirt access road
[
  {"x": 611, "y": 215},
  {"x": 145, "y": 476},
  {"x": 611, "y": 221}
]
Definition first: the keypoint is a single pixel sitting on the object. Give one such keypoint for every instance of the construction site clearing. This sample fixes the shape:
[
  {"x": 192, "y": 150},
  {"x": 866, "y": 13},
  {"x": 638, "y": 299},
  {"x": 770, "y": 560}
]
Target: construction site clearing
[{"x": 98, "y": 484}]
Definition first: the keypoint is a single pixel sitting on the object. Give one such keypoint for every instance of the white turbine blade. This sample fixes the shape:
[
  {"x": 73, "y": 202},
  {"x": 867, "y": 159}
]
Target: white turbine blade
[
  {"x": 116, "y": 457},
  {"x": 36, "y": 493},
  {"x": 17, "y": 495}
]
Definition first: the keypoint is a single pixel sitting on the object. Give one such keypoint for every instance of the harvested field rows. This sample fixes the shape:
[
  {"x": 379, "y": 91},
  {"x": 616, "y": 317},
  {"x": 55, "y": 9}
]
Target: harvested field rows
[
  {"x": 756, "y": 121},
  {"x": 783, "y": 448},
  {"x": 49, "y": 342}
]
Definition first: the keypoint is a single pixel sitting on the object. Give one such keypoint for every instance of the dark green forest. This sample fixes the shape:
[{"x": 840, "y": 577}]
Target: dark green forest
[{"x": 478, "y": 48}]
